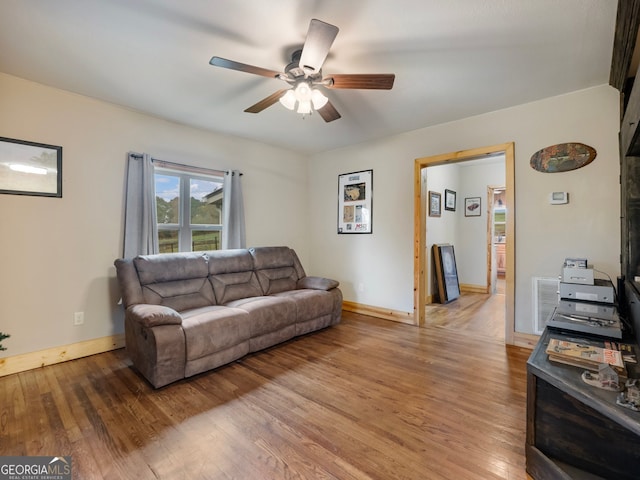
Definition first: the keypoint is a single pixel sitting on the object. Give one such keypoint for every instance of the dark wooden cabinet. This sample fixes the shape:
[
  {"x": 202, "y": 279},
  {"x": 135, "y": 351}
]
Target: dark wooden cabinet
[
  {"x": 622, "y": 76},
  {"x": 576, "y": 431}
]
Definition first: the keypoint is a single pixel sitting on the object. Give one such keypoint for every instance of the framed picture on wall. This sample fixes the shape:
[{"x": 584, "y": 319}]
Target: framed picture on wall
[
  {"x": 472, "y": 207},
  {"x": 355, "y": 202},
  {"x": 434, "y": 204},
  {"x": 29, "y": 168},
  {"x": 450, "y": 200},
  {"x": 446, "y": 272}
]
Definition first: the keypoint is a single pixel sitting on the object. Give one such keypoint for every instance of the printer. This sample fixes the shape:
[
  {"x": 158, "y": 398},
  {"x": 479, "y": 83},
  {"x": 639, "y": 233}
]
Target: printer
[{"x": 586, "y": 304}]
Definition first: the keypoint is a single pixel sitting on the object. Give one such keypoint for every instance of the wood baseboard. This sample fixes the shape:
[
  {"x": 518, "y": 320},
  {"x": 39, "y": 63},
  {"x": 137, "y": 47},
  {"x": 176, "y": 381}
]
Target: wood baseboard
[
  {"x": 468, "y": 288},
  {"x": 50, "y": 356},
  {"x": 386, "y": 313},
  {"x": 526, "y": 340}
]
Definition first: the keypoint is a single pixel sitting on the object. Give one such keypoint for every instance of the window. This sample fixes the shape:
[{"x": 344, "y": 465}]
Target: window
[{"x": 189, "y": 210}]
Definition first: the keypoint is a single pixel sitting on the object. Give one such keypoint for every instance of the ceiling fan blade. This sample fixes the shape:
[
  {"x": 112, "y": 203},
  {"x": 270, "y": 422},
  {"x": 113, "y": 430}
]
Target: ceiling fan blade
[
  {"x": 381, "y": 81},
  {"x": 266, "y": 102},
  {"x": 329, "y": 112},
  {"x": 320, "y": 37},
  {"x": 243, "y": 67}
]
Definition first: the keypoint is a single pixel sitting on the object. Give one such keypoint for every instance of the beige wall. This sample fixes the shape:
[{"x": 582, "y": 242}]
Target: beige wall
[
  {"x": 56, "y": 255},
  {"x": 383, "y": 262}
]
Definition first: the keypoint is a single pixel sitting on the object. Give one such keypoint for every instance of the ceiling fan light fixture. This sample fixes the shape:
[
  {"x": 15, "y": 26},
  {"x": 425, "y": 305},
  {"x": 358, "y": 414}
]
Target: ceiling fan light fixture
[
  {"x": 288, "y": 100},
  {"x": 304, "y": 106},
  {"x": 306, "y": 98},
  {"x": 318, "y": 99},
  {"x": 303, "y": 92}
]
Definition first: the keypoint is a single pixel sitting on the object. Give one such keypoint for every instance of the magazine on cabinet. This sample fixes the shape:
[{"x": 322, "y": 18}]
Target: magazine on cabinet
[{"x": 585, "y": 355}]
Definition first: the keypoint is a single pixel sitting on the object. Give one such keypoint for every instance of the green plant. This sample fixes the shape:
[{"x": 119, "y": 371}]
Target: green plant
[{"x": 2, "y": 337}]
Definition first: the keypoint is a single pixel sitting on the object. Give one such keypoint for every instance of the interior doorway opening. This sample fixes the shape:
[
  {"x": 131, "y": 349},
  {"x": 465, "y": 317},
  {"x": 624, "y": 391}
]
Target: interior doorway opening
[
  {"x": 421, "y": 251},
  {"x": 496, "y": 238}
]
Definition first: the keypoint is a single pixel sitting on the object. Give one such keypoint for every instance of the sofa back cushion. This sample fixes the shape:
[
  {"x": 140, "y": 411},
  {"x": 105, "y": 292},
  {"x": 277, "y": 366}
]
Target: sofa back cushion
[
  {"x": 129, "y": 282},
  {"x": 232, "y": 276},
  {"x": 176, "y": 280},
  {"x": 275, "y": 269}
]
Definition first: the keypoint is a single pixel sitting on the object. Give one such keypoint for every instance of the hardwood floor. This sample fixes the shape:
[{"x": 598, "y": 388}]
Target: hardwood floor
[
  {"x": 481, "y": 314},
  {"x": 366, "y": 399}
]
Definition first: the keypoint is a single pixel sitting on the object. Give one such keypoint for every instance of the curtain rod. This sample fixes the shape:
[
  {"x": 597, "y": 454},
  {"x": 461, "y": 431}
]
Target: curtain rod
[
  {"x": 187, "y": 168},
  {"x": 182, "y": 166}
]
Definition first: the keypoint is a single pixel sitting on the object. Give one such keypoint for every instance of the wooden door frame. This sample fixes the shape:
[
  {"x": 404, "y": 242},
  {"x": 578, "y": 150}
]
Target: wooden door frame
[{"x": 420, "y": 230}]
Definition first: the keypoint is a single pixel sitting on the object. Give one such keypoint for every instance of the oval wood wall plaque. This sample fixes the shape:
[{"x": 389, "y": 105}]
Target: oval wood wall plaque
[{"x": 563, "y": 157}]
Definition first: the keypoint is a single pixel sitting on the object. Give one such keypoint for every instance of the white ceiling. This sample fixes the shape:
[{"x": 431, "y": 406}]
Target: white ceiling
[{"x": 452, "y": 58}]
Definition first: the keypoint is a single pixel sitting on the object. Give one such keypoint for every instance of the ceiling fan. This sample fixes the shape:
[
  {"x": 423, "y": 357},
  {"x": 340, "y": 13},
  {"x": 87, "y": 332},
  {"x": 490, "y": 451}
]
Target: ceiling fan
[{"x": 304, "y": 75}]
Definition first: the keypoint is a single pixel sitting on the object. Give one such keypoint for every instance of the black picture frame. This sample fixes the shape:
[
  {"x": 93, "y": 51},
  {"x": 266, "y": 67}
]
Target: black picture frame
[
  {"x": 435, "y": 204},
  {"x": 30, "y": 168},
  {"x": 472, "y": 207},
  {"x": 450, "y": 200},
  {"x": 446, "y": 272},
  {"x": 355, "y": 202}
]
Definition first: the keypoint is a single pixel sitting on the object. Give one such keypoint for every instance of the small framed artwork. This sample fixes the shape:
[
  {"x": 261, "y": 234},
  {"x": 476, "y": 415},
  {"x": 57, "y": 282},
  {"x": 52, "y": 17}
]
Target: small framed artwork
[
  {"x": 355, "y": 202},
  {"x": 450, "y": 200},
  {"x": 29, "y": 168},
  {"x": 446, "y": 272},
  {"x": 434, "y": 204},
  {"x": 472, "y": 207}
]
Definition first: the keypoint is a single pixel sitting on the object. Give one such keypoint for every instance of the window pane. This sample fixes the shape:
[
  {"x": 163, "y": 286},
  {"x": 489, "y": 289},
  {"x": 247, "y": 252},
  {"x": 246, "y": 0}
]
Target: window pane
[
  {"x": 206, "y": 203},
  {"x": 207, "y": 240},
  {"x": 168, "y": 241},
  {"x": 167, "y": 198}
]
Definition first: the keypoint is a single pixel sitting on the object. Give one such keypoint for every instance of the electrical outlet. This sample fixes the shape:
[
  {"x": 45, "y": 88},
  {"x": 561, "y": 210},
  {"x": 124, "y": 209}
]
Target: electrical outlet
[
  {"x": 361, "y": 287},
  {"x": 78, "y": 318}
]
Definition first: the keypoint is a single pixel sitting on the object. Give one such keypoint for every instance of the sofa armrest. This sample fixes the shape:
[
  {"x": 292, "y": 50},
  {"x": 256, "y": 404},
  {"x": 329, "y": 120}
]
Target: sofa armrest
[
  {"x": 153, "y": 315},
  {"x": 317, "y": 283}
]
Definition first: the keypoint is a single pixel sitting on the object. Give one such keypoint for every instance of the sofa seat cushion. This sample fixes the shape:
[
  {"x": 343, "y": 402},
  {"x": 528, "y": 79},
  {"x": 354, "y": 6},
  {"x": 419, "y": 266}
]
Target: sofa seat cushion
[
  {"x": 211, "y": 329},
  {"x": 309, "y": 303},
  {"x": 267, "y": 314}
]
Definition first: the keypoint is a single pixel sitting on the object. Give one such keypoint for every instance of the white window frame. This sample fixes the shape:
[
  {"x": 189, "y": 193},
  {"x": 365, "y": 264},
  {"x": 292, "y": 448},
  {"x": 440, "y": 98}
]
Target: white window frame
[{"x": 185, "y": 228}]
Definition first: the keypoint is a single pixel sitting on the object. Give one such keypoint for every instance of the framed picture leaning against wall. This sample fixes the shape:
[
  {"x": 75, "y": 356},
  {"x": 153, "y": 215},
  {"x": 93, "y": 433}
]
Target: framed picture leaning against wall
[{"x": 446, "y": 272}]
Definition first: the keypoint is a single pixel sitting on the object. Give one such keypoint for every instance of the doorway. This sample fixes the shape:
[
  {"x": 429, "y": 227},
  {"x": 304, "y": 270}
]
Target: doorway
[
  {"x": 421, "y": 255},
  {"x": 496, "y": 238}
]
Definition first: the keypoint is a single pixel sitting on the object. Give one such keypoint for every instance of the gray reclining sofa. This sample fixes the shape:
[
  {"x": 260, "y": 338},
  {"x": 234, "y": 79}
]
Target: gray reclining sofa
[{"x": 186, "y": 313}]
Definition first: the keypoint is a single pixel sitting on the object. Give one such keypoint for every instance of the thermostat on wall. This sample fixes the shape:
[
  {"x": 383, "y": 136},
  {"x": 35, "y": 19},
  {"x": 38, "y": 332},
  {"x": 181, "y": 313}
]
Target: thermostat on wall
[{"x": 558, "y": 198}]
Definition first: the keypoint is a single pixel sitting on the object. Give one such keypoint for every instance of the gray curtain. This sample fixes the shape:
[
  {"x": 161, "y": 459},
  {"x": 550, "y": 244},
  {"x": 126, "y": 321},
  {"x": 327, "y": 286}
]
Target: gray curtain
[
  {"x": 140, "y": 228},
  {"x": 233, "y": 232}
]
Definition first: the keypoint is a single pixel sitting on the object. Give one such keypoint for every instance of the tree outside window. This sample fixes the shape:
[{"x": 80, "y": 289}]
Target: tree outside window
[{"x": 189, "y": 211}]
